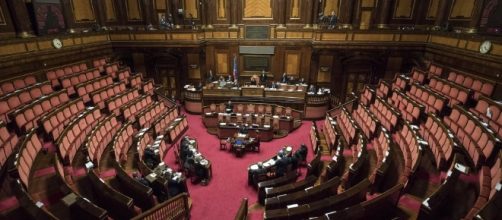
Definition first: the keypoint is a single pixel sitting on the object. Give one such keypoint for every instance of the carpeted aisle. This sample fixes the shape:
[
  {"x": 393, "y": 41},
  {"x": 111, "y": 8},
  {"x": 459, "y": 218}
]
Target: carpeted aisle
[{"x": 221, "y": 198}]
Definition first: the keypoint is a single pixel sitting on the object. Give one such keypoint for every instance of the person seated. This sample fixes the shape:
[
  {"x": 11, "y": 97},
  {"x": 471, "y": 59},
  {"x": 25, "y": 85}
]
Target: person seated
[
  {"x": 229, "y": 78},
  {"x": 243, "y": 130},
  {"x": 273, "y": 85},
  {"x": 139, "y": 178},
  {"x": 284, "y": 78},
  {"x": 229, "y": 108},
  {"x": 301, "y": 153},
  {"x": 253, "y": 81},
  {"x": 282, "y": 166},
  {"x": 151, "y": 158}
]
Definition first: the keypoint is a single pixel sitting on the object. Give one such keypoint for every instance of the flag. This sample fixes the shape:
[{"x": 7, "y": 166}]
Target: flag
[{"x": 236, "y": 74}]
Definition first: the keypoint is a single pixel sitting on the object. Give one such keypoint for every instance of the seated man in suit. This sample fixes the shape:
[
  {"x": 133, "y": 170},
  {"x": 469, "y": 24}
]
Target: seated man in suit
[
  {"x": 151, "y": 158},
  {"x": 284, "y": 78},
  {"x": 229, "y": 108},
  {"x": 243, "y": 130},
  {"x": 229, "y": 78},
  {"x": 282, "y": 166},
  {"x": 301, "y": 153}
]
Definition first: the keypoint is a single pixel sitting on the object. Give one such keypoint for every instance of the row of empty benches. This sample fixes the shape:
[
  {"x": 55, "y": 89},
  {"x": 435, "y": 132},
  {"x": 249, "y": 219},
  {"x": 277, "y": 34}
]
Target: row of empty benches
[
  {"x": 414, "y": 116},
  {"x": 70, "y": 118}
]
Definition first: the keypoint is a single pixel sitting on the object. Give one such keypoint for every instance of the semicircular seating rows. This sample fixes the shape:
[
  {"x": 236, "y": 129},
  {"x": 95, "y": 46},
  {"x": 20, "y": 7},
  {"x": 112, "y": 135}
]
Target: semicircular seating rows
[
  {"x": 69, "y": 147},
  {"x": 407, "y": 148}
]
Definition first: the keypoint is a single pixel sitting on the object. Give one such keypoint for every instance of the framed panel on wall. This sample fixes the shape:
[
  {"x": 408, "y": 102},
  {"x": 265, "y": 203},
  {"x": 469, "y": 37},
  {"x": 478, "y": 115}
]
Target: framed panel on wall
[
  {"x": 191, "y": 9},
  {"x": 461, "y": 9},
  {"x": 295, "y": 12},
  {"x": 83, "y": 11},
  {"x": 221, "y": 10},
  {"x": 49, "y": 16},
  {"x": 257, "y": 9},
  {"x": 331, "y": 6},
  {"x": 2, "y": 18},
  {"x": 403, "y": 9},
  {"x": 110, "y": 12},
  {"x": 134, "y": 10},
  {"x": 432, "y": 10}
]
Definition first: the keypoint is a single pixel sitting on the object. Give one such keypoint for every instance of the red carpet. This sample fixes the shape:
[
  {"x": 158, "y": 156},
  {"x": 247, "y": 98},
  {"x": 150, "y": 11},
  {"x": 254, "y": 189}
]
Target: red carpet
[{"x": 221, "y": 198}]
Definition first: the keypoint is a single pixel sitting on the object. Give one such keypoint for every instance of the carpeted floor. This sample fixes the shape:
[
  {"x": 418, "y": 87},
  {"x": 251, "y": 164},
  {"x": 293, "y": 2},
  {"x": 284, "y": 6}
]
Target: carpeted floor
[{"x": 221, "y": 198}]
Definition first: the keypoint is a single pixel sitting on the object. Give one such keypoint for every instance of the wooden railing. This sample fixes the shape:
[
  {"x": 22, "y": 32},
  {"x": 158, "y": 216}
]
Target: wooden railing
[{"x": 174, "y": 208}]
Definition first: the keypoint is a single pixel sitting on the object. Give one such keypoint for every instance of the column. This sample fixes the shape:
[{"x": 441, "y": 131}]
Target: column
[
  {"x": 148, "y": 11},
  {"x": 233, "y": 14},
  {"x": 442, "y": 14},
  {"x": 203, "y": 13},
  {"x": 383, "y": 14},
  {"x": 309, "y": 7},
  {"x": 476, "y": 16},
  {"x": 100, "y": 12},
  {"x": 210, "y": 9},
  {"x": 174, "y": 12},
  {"x": 315, "y": 14},
  {"x": 20, "y": 18},
  {"x": 68, "y": 16},
  {"x": 345, "y": 16},
  {"x": 280, "y": 10},
  {"x": 356, "y": 18}
]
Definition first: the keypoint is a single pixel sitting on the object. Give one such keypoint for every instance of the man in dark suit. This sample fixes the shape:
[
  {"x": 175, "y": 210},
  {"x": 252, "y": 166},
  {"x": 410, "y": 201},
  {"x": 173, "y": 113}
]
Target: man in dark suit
[
  {"x": 263, "y": 77},
  {"x": 284, "y": 78},
  {"x": 229, "y": 107}
]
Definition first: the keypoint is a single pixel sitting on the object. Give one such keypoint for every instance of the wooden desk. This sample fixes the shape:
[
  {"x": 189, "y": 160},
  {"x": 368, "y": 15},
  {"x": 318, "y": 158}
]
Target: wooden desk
[
  {"x": 252, "y": 91},
  {"x": 229, "y": 130}
]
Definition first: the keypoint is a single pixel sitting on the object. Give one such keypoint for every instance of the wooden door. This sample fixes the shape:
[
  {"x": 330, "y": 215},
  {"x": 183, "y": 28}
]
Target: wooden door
[{"x": 168, "y": 76}]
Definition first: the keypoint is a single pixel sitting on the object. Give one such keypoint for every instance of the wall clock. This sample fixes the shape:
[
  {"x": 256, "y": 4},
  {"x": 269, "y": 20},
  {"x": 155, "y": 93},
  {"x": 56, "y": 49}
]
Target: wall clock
[
  {"x": 485, "y": 46},
  {"x": 56, "y": 43}
]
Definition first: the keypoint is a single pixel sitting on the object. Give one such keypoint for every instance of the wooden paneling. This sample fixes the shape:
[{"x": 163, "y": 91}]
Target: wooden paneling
[
  {"x": 110, "y": 11},
  {"x": 292, "y": 63},
  {"x": 433, "y": 9},
  {"x": 3, "y": 21},
  {"x": 330, "y": 6},
  {"x": 83, "y": 11},
  {"x": 295, "y": 9},
  {"x": 161, "y": 4},
  {"x": 222, "y": 64},
  {"x": 365, "y": 19},
  {"x": 257, "y": 9},
  {"x": 193, "y": 66},
  {"x": 462, "y": 9},
  {"x": 134, "y": 11},
  {"x": 403, "y": 9},
  {"x": 324, "y": 69},
  {"x": 191, "y": 8},
  {"x": 221, "y": 10},
  {"x": 367, "y": 3}
]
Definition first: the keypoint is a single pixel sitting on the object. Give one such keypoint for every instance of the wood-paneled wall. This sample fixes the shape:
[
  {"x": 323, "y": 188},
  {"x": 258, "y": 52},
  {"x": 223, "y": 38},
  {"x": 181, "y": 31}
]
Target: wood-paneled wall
[{"x": 465, "y": 15}]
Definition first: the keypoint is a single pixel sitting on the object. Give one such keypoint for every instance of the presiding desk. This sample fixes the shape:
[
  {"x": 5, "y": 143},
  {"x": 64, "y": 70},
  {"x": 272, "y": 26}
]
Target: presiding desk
[
  {"x": 226, "y": 130},
  {"x": 310, "y": 105}
]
